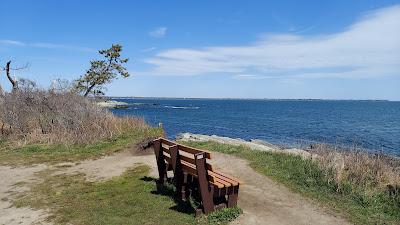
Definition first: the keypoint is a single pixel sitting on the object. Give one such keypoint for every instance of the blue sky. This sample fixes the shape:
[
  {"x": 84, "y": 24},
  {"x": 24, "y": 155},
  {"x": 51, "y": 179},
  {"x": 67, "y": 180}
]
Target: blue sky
[{"x": 240, "y": 49}]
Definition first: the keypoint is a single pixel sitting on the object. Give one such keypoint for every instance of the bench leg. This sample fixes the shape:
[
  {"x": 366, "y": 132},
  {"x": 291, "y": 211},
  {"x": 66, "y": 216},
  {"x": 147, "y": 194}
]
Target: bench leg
[
  {"x": 184, "y": 189},
  {"x": 206, "y": 192},
  {"x": 162, "y": 180},
  {"x": 161, "y": 165},
  {"x": 233, "y": 197}
]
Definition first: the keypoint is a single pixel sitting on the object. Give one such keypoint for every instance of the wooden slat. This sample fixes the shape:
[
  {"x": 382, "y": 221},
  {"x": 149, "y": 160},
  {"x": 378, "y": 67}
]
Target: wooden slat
[
  {"x": 193, "y": 172},
  {"x": 191, "y": 161},
  {"x": 191, "y": 169},
  {"x": 220, "y": 177},
  {"x": 215, "y": 177},
  {"x": 229, "y": 177},
  {"x": 187, "y": 159},
  {"x": 168, "y": 159},
  {"x": 185, "y": 148},
  {"x": 217, "y": 184},
  {"x": 165, "y": 148},
  {"x": 222, "y": 181},
  {"x": 168, "y": 142},
  {"x": 194, "y": 150}
]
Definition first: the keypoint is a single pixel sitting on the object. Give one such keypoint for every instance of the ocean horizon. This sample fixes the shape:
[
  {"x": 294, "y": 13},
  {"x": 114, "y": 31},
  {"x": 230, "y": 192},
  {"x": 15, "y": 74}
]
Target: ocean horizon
[
  {"x": 373, "y": 125},
  {"x": 227, "y": 98}
]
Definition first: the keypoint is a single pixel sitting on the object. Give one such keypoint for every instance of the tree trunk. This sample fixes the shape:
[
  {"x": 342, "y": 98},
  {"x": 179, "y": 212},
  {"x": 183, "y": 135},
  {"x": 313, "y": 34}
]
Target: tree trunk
[
  {"x": 12, "y": 81},
  {"x": 89, "y": 90}
]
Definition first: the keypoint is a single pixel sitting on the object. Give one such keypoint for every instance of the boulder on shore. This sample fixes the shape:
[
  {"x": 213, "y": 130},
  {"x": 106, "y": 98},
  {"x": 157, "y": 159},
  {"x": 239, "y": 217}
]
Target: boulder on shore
[
  {"x": 252, "y": 144},
  {"x": 111, "y": 104}
]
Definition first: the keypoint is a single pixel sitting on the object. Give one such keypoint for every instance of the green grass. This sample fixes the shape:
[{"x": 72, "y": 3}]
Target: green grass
[
  {"x": 306, "y": 177},
  {"x": 128, "y": 199},
  {"x": 55, "y": 153}
]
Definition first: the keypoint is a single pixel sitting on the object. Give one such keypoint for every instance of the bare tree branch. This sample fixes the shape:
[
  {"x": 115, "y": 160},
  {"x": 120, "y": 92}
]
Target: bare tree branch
[{"x": 8, "y": 70}]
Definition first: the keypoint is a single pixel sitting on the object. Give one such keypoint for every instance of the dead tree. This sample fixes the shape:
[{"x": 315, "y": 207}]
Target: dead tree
[{"x": 13, "y": 81}]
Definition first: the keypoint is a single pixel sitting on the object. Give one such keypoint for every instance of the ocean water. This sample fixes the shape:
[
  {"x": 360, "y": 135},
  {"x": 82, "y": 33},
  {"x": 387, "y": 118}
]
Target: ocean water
[{"x": 374, "y": 125}]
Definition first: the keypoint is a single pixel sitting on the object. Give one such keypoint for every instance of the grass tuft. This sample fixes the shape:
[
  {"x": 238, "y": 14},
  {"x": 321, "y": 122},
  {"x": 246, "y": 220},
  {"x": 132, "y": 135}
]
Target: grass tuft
[{"x": 224, "y": 215}]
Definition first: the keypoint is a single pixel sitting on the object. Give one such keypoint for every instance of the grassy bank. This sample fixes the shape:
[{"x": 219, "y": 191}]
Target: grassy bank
[
  {"x": 128, "y": 199},
  {"x": 55, "y": 153},
  {"x": 358, "y": 204}
]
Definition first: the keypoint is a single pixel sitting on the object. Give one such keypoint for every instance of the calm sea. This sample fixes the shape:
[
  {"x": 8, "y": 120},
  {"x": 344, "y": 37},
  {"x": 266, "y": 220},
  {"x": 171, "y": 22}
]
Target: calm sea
[{"x": 374, "y": 125}]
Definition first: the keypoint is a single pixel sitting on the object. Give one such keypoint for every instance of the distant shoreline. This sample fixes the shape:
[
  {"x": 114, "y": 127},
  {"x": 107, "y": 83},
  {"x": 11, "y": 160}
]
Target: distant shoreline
[{"x": 252, "y": 99}]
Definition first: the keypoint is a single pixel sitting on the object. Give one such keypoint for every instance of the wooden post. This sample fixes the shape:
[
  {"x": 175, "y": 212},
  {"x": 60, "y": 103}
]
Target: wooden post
[
  {"x": 233, "y": 197},
  {"x": 205, "y": 192},
  {"x": 162, "y": 170},
  {"x": 177, "y": 168}
]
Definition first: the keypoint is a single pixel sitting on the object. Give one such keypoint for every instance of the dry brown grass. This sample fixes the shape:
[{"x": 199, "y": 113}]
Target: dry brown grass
[
  {"x": 40, "y": 116},
  {"x": 367, "y": 172}
]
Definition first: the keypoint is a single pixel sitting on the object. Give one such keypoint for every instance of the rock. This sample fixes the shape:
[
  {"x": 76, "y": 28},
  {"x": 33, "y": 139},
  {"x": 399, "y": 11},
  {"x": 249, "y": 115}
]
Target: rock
[
  {"x": 111, "y": 104},
  {"x": 253, "y": 144}
]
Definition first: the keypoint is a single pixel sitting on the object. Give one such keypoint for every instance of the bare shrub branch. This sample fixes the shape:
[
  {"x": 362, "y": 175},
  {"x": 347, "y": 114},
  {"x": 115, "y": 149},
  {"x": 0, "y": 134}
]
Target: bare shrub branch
[{"x": 31, "y": 115}]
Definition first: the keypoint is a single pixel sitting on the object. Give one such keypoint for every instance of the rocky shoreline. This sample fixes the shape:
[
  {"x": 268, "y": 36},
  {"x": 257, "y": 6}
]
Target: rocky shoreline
[
  {"x": 111, "y": 104},
  {"x": 253, "y": 144}
]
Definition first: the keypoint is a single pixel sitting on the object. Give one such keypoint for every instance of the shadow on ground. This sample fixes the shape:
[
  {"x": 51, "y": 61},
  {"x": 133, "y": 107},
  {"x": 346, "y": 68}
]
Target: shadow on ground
[{"x": 169, "y": 190}]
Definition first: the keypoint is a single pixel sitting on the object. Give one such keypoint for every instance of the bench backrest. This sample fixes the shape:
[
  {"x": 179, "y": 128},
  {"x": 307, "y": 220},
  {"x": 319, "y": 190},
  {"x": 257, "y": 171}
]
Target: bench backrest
[
  {"x": 191, "y": 160},
  {"x": 186, "y": 155}
]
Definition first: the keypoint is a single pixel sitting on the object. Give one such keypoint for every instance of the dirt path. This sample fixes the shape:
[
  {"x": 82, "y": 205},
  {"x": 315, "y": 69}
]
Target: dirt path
[
  {"x": 111, "y": 166},
  {"x": 262, "y": 200},
  {"x": 12, "y": 182},
  {"x": 266, "y": 202}
]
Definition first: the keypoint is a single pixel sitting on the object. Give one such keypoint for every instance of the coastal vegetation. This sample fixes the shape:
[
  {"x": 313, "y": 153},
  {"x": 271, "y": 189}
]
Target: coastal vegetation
[
  {"x": 363, "y": 187},
  {"x": 62, "y": 114}
]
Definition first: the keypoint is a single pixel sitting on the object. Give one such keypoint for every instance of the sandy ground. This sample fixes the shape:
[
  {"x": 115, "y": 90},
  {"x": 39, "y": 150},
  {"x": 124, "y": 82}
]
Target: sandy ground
[
  {"x": 12, "y": 182},
  {"x": 262, "y": 200},
  {"x": 112, "y": 166}
]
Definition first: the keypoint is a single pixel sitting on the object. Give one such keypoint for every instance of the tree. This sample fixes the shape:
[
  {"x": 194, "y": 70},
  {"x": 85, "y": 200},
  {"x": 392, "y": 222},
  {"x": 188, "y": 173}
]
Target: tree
[
  {"x": 102, "y": 72},
  {"x": 13, "y": 81}
]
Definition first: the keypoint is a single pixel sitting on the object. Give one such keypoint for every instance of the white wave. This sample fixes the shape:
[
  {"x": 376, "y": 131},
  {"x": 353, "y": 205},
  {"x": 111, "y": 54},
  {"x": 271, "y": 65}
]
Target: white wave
[{"x": 181, "y": 107}]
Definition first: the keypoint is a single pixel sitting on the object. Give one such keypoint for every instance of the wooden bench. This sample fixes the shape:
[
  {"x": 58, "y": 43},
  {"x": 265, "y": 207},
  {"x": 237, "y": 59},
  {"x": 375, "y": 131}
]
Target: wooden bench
[{"x": 193, "y": 172}]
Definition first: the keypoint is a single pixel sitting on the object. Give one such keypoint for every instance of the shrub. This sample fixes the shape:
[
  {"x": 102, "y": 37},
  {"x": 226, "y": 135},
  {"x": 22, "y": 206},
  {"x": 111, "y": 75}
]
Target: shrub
[{"x": 31, "y": 115}]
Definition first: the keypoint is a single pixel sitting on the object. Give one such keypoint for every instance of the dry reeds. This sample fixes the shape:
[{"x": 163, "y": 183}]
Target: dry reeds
[{"x": 367, "y": 172}]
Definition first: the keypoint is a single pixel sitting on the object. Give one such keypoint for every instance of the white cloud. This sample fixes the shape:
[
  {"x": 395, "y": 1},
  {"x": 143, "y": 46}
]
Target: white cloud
[
  {"x": 368, "y": 48},
  {"x": 46, "y": 45},
  {"x": 158, "y": 32},
  {"x": 11, "y": 42},
  {"x": 58, "y": 46}
]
